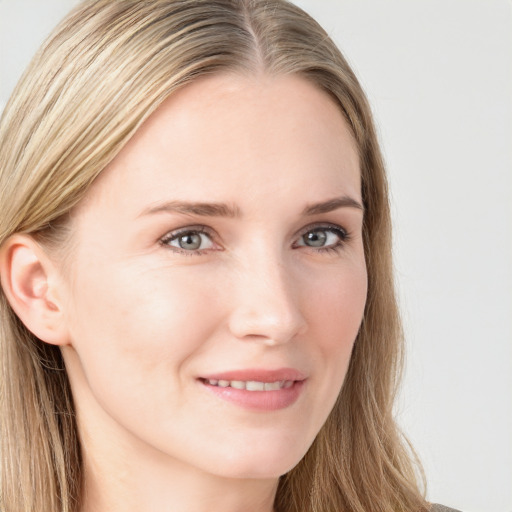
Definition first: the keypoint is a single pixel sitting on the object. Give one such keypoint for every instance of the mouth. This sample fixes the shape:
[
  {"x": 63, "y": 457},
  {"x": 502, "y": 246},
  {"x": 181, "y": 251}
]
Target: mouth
[
  {"x": 250, "y": 385},
  {"x": 258, "y": 390}
]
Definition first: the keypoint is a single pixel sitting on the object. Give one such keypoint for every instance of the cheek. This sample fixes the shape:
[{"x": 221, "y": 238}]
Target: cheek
[
  {"x": 336, "y": 315},
  {"x": 134, "y": 321},
  {"x": 338, "y": 306},
  {"x": 135, "y": 334}
]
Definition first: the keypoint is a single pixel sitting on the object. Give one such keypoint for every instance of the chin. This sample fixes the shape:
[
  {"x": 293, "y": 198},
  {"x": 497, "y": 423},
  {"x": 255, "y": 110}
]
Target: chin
[{"x": 266, "y": 463}]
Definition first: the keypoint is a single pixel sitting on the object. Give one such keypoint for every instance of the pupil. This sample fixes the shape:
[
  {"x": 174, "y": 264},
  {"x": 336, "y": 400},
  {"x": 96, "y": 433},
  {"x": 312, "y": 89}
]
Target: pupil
[
  {"x": 316, "y": 238},
  {"x": 190, "y": 241}
]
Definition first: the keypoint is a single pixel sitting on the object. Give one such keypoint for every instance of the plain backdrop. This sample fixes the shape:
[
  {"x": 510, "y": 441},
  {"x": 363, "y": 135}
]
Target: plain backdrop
[{"x": 438, "y": 74}]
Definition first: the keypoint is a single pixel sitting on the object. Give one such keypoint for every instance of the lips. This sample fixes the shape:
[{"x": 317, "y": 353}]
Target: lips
[
  {"x": 258, "y": 375},
  {"x": 251, "y": 385},
  {"x": 257, "y": 389}
]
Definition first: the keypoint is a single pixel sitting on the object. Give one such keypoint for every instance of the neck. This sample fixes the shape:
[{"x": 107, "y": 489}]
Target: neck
[
  {"x": 123, "y": 477},
  {"x": 144, "y": 489}
]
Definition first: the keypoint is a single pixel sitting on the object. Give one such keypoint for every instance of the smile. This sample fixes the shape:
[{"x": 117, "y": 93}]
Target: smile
[
  {"x": 251, "y": 385},
  {"x": 257, "y": 389}
]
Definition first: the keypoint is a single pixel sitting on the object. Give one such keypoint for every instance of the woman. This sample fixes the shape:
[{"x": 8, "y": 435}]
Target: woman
[{"x": 198, "y": 305}]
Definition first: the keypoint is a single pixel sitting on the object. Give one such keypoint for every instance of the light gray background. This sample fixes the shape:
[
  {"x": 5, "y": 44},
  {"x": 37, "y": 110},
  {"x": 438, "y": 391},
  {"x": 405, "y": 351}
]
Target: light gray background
[{"x": 438, "y": 74}]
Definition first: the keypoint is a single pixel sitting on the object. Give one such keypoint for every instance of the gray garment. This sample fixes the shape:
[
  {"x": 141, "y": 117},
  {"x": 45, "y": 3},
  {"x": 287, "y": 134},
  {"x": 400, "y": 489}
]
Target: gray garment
[{"x": 442, "y": 508}]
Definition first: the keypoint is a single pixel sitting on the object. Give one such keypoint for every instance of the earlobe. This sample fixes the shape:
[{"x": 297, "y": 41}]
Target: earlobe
[{"x": 28, "y": 281}]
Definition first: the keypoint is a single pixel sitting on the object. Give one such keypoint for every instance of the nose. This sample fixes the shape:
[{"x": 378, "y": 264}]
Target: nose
[{"x": 266, "y": 302}]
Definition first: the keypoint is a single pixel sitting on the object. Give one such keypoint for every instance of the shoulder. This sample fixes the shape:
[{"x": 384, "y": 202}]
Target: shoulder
[{"x": 442, "y": 508}]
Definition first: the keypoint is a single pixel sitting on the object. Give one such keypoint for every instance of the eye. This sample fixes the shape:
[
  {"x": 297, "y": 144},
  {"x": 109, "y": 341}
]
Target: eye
[
  {"x": 323, "y": 238},
  {"x": 189, "y": 240}
]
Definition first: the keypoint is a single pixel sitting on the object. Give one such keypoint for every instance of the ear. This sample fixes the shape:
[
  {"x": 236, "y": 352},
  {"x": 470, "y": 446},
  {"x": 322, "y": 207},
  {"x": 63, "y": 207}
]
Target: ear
[{"x": 31, "y": 284}]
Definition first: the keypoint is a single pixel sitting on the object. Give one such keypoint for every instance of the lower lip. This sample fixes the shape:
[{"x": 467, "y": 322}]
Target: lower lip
[{"x": 259, "y": 400}]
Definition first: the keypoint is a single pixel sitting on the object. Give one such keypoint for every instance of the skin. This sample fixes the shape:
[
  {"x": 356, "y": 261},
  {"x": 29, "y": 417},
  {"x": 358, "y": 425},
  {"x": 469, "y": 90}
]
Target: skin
[{"x": 144, "y": 318}]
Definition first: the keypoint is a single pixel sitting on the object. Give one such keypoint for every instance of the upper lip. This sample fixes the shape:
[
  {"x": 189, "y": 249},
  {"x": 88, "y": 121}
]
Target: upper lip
[{"x": 258, "y": 375}]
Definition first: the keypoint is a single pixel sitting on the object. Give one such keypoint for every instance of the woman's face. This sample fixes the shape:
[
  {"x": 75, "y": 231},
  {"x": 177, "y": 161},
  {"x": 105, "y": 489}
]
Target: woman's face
[{"x": 217, "y": 279}]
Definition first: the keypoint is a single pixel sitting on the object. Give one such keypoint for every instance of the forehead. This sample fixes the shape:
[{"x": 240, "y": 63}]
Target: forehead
[{"x": 227, "y": 137}]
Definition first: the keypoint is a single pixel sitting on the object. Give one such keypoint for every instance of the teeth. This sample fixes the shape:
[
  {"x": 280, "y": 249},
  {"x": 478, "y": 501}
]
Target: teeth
[
  {"x": 237, "y": 384},
  {"x": 251, "y": 385}
]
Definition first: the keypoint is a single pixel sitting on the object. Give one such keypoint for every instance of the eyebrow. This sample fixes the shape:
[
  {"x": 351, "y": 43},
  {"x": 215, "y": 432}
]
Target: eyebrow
[
  {"x": 203, "y": 209},
  {"x": 195, "y": 208},
  {"x": 332, "y": 204}
]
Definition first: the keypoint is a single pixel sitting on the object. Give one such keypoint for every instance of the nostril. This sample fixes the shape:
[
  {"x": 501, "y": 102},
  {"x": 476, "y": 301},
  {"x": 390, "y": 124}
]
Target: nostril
[
  {"x": 270, "y": 328},
  {"x": 266, "y": 305}
]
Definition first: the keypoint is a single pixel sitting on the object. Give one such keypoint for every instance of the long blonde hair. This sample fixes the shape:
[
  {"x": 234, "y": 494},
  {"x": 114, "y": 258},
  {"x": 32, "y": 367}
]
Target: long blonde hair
[{"x": 102, "y": 72}]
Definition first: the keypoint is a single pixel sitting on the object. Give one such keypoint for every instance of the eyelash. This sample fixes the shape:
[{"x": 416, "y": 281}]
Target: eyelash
[
  {"x": 340, "y": 232},
  {"x": 174, "y": 235}
]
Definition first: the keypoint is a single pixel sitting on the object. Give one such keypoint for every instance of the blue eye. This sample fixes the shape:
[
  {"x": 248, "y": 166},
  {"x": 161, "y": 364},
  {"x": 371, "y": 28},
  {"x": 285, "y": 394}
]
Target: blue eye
[
  {"x": 323, "y": 238},
  {"x": 189, "y": 240},
  {"x": 195, "y": 240}
]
